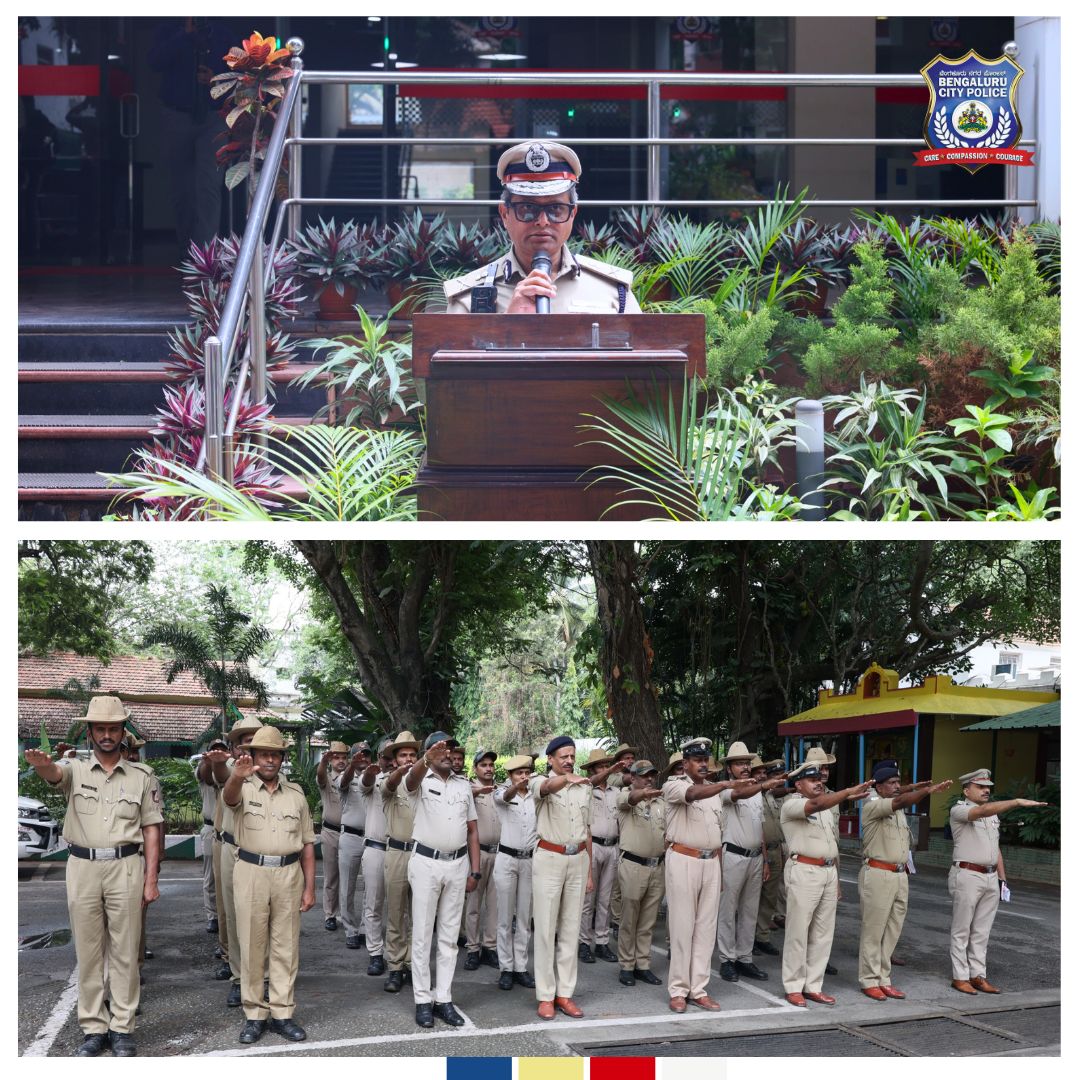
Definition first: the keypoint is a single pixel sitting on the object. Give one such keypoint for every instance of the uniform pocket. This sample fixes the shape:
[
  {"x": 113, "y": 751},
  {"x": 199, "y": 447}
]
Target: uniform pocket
[
  {"x": 290, "y": 822},
  {"x": 85, "y": 804},
  {"x": 127, "y": 807},
  {"x": 253, "y": 822}
]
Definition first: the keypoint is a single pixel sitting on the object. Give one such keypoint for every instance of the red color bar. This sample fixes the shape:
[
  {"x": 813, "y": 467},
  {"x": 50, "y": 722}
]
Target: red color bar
[
  {"x": 623, "y": 1068},
  {"x": 64, "y": 80}
]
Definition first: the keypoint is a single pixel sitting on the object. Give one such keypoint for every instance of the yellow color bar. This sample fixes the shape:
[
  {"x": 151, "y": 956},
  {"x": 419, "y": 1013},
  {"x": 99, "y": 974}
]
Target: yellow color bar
[{"x": 551, "y": 1068}]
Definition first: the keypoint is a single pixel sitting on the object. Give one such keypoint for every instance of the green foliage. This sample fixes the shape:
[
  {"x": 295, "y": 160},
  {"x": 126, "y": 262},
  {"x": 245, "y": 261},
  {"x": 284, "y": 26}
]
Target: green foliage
[
  {"x": 736, "y": 343},
  {"x": 69, "y": 592},
  {"x": 31, "y": 786},
  {"x": 1032, "y": 826},
  {"x": 695, "y": 253},
  {"x": 181, "y": 801}
]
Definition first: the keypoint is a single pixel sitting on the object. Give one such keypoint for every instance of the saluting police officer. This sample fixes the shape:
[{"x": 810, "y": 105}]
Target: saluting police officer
[
  {"x": 481, "y": 905},
  {"x": 562, "y": 874},
  {"x": 399, "y": 812},
  {"x": 883, "y": 878},
  {"x": 604, "y": 828},
  {"x": 331, "y": 765},
  {"x": 538, "y": 209},
  {"x": 772, "y": 884},
  {"x": 642, "y": 821},
  {"x": 111, "y": 818},
  {"x": 811, "y": 874},
  {"x": 513, "y": 871},
  {"x": 975, "y": 878},
  {"x": 273, "y": 882},
  {"x": 204, "y": 776},
  {"x": 445, "y": 865},
  {"x": 351, "y": 846},
  {"x": 618, "y": 779},
  {"x": 372, "y": 865}
]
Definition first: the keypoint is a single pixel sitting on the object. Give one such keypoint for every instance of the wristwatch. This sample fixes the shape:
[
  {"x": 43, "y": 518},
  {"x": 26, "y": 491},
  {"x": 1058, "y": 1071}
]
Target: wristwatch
[{"x": 476, "y": 875}]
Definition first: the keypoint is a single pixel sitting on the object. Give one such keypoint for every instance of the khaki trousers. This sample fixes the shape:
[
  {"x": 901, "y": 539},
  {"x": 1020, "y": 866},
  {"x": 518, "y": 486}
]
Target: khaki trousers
[
  {"x": 350, "y": 854},
  {"x": 104, "y": 901},
  {"x": 975, "y": 903},
  {"x": 481, "y": 909},
  {"x": 883, "y": 904},
  {"x": 641, "y": 889},
  {"x": 398, "y": 906},
  {"x": 738, "y": 907},
  {"x": 208, "y": 891},
  {"x": 513, "y": 892},
  {"x": 596, "y": 913},
  {"x": 693, "y": 898},
  {"x": 371, "y": 866},
  {"x": 219, "y": 900},
  {"x": 769, "y": 904},
  {"x": 811, "y": 920},
  {"x": 228, "y": 866},
  {"x": 558, "y": 893},
  {"x": 330, "y": 889},
  {"x": 615, "y": 906},
  {"x": 267, "y": 902},
  {"x": 438, "y": 886}
]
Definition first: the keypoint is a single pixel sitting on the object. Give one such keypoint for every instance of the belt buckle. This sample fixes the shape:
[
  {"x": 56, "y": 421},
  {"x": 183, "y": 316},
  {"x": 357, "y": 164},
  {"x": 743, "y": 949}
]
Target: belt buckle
[
  {"x": 571, "y": 849},
  {"x": 271, "y": 860},
  {"x": 707, "y": 853},
  {"x": 652, "y": 861},
  {"x": 103, "y": 853}
]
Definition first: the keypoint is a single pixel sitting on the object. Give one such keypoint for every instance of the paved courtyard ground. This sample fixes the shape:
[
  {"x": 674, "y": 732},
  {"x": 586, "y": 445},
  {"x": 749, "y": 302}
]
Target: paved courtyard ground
[{"x": 346, "y": 1013}]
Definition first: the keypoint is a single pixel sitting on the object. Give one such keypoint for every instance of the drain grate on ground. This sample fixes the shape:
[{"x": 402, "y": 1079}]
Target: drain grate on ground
[
  {"x": 1040, "y": 1025},
  {"x": 820, "y": 1042},
  {"x": 940, "y": 1037}
]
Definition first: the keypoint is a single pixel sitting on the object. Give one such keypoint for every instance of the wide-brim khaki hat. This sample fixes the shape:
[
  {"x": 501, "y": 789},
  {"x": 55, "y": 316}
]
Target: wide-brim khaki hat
[
  {"x": 338, "y": 748},
  {"x": 106, "y": 709},
  {"x": 675, "y": 759},
  {"x": 736, "y": 752},
  {"x": 406, "y": 740},
  {"x": 267, "y": 738},
  {"x": 134, "y": 743},
  {"x": 597, "y": 759},
  {"x": 817, "y": 756},
  {"x": 538, "y": 167},
  {"x": 756, "y": 762},
  {"x": 623, "y": 748},
  {"x": 241, "y": 727},
  {"x": 519, "y": 761}
]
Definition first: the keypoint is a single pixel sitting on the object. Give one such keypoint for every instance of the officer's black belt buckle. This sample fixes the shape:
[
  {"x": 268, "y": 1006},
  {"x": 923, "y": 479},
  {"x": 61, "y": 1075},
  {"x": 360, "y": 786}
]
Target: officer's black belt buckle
[
  {"x": 375, "y": 843},
  {"x": 399, "y": 845},
  {"x": 104, "y": 854},
  {"x": 604, "y": 841},
  {"x": 491, "y": 849},
  {"x": 267, "y": 860},
  {"x": 514, "y": 852},
  {"x": 744, "y": 852},
  {"x": 351, "y": 831},
  {"x": 643, "y": 860},
  {"x": 444, "y": 856}
]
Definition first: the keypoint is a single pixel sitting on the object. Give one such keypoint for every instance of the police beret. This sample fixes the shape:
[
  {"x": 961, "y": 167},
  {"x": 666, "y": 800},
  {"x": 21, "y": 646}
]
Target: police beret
[
  {"x": 557, "y": 744},
  {"x": 887, "y": 770}
]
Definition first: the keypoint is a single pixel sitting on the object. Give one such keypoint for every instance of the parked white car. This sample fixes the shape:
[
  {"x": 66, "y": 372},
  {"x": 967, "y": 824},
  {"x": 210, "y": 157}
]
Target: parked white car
[{"x": 38, "y": 831}]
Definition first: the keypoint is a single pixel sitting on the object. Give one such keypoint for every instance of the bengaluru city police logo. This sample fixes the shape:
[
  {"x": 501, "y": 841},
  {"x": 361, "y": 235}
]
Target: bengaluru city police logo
[
  {"x": 972, "y": 119},
  {"x": 537, "y": 158}
]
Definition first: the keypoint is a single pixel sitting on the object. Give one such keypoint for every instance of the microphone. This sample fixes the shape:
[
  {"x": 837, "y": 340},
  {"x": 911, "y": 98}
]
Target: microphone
[{"x": 542, "y": 261}]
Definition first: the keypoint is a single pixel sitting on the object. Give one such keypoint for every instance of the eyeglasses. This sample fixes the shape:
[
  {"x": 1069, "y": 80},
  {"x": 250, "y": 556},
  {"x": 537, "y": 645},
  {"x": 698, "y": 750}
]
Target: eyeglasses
[{"x": 557, "y": 213}]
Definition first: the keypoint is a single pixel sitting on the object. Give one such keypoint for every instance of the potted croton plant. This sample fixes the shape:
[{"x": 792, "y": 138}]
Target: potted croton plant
[{"x": 341, "y": 259}]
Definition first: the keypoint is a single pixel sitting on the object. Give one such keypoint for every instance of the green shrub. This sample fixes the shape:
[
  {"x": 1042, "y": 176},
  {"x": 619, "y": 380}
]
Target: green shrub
[
  {"x": 33, "y": 787},
  {"x": 1032, "y": 826},
  {"x": 737, "y": 343}
]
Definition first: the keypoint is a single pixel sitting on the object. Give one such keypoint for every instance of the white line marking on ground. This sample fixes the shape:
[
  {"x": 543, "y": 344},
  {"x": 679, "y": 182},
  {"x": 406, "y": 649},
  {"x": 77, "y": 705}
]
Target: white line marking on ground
[
  {"x": 469, "y": 1025},
  {"x": 46, "y": 1036},
  {"x": 519, "y": 1029}
]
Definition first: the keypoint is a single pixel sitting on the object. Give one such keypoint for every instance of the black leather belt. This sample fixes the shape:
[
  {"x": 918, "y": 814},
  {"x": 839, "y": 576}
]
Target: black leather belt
[
  {"x": 744, "y": 852},
  {"x": 445, "y": 856},
  {"x": 227, "y": 838},
  {"x": 491, "y": 849},
  {"x": 643, "y": 860},
  {"x": 398, "y": 845},
  {"x": 375, "y": 843},
  {"x": 329, "y": 826},
  {"x": 208, "y": 821},
  {"x": 351, "y": 831},
  {"x": 267, "y": 860},
  {"x": 103, "y": 854},
  {"x": 605, "y": 841},
  {"x": 515, "y": 853}
]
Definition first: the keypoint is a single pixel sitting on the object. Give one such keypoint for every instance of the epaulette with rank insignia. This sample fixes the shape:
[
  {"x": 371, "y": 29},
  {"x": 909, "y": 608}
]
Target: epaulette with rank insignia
[{"x": 605, "y": 270}]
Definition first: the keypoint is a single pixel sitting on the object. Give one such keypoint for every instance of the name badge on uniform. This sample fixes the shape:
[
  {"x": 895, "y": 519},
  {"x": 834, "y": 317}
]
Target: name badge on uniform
[
  {"x": 258, "y": 804},
  {"x": 434, "y": 791},
  {"x": 88, "y": 787}
]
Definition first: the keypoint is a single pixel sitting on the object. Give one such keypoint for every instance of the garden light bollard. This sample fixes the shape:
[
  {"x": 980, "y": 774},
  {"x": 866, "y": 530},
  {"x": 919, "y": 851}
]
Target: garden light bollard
[{"x": 810, "y": 457}]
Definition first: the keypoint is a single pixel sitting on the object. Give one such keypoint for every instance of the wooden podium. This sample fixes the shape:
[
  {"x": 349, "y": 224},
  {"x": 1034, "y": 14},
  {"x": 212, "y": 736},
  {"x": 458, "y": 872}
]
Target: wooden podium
[{"x": 505, "y": 398}]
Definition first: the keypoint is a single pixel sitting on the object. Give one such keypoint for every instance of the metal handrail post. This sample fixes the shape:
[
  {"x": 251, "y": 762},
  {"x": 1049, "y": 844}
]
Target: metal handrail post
[
  {"x": 257, "y": 335},
  {"x": 652, "y": 184},
  {"x": 295, "y": 45},
  {"x": 215, "y": 408}
]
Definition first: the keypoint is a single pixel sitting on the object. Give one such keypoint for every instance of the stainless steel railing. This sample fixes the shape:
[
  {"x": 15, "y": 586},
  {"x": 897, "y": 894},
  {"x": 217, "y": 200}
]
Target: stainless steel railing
[{"x": 251, "y": 274}]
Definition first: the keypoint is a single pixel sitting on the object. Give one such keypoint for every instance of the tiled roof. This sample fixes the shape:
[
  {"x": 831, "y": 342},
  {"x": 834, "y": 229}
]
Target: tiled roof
[{"x": 130, "y": 674}]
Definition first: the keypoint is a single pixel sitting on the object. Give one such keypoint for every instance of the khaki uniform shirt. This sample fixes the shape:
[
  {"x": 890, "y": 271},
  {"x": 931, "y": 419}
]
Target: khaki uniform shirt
[
  {"x": 375, "y": 829},
  {"x": 743, "y": 820},
  {"x": 110, "y": 809},
  {"x": 330, "y": 795},
  {"x": 517, "y": 819},
  {"x": 581, "y": 285},
  {"x": 605, "y": 813},
  {"x": 442, "y": 810},
  {"x": 488, "y": 826},
  {"x": 353, "y": 807},
  {"x": 399, "y": 811},
  {"x": 274, "y": 822},
  {"x": 834, "y": 813},
  {"x": 813, "y": 835},
  {"x": 641, "y": 827},
  {"x": 886, "y": 835},
  {"x": 562, "y": 817},
  {"x": 697, "y": 824},
  {"x": 208, "y": 793},
  {"x": 770, "y": 818},
  {"x": 973, "y": 841}
]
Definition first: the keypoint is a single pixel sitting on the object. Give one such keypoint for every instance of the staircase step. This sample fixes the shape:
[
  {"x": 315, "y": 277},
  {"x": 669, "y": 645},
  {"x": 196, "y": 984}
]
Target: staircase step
[
  {"x": 133, "y": 343},
  {"x": 32, "y": 371},
  {"x": 112, "y": 425}
]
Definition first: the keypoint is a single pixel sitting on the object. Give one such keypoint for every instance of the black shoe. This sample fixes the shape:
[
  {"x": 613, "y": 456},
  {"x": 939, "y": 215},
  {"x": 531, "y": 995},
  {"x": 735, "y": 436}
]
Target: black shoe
[
  {"x": 376, "y": 966},
  {"x": 147, "y": 954},
  {"x": 506, "y": 980},
  {"x": 394, "y": 982},
  {"x": 626, "y": 977},
  {"x": 219, "y": 953},
  {"x": 584, "y": 954},
  {"x": 234, "y": 1000},
  {"x": 331, "y": 923},
  {"x": 424, "y": 1016},
  {"x": 407, "y": 972},
  {"x": 831, "y": 970},
  {"x": 765, "y": 947},
  {"x": 523, "y": 978},
  {"x": 751, "y": 971},
  {"x": 490, "y": 958},
  {"x": 252, "y": 1031},
  {"x": 646, "y": 976},
  {"x": 122, "y": 1045},
  {"x": 212, "y": 926},
  {"x": 223, "y": 972},
  {"x": 288, "y": 1029},
  {"x": 728, "y": 972},
  {"x": 602, "y": 952},
  {"x": 92, "y": 1045},
  {"x": 472, "y": 961},
  {"x": 446, "y": 1012},
  {"x": 352, "y": 941},
  {"x": 461, "y": 941}
]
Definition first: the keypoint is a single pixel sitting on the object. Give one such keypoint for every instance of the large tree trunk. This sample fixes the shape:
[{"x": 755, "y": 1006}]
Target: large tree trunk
[{"x": 625, "y": 650}]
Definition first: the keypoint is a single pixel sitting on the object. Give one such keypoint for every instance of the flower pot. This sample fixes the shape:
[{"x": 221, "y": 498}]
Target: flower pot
[
  {"x": 337, "y": 306},
  {"x": 411, "y": 292}
]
